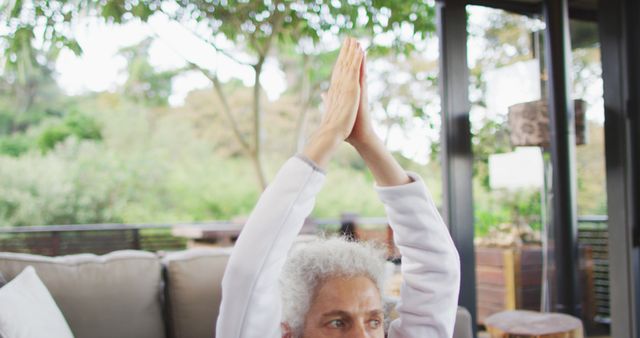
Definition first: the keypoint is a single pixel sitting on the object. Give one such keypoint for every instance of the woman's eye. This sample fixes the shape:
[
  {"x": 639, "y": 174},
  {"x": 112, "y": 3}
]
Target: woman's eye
[
  {"x": 374, "y": 323},
  {"x": 336, "y": 324}
]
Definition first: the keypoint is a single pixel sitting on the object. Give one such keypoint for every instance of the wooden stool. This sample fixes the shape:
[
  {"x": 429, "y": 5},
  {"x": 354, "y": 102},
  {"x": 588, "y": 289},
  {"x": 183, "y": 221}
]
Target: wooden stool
[{"x": 530, "y": 324}]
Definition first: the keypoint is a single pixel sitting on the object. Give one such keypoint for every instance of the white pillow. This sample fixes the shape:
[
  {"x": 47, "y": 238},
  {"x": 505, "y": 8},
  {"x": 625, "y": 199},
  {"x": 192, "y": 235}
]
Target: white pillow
[{"x": 27, "y": 309}]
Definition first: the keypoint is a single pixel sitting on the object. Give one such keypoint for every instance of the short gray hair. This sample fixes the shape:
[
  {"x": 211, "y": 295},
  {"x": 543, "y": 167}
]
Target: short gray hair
[{"x": 311, "y": 262}]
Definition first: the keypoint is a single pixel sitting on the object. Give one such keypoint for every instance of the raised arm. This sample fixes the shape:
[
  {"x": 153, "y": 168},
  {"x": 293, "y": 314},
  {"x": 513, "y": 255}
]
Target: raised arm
[
  {"x": 251, "y": 304},
  {"x": 430, "y": 262}
]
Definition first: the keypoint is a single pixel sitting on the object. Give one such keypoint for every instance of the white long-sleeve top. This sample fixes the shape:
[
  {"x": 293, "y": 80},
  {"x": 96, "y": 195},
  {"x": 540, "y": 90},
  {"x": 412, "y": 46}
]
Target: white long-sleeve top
[{"x": 251, "y": 304}]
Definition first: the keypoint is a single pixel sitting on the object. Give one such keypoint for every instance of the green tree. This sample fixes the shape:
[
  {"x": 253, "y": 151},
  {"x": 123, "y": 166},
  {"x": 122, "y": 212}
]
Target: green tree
[
  {"x": 32, "y": 37},
  {"x": 30, "y": 93},
  {"x": 256, "y": 28},
  {"x": 144, "y": 83}
]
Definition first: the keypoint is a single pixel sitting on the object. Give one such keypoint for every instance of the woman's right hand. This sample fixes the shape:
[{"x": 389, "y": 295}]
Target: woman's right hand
[
  {"x": 342, "y": 99},
  {"x": 341, "y": 105}
]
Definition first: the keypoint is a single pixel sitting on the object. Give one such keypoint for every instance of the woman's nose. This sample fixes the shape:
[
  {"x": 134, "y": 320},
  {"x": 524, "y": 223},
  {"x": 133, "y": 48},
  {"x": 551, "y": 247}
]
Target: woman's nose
[{"x": 359, "y": 330}]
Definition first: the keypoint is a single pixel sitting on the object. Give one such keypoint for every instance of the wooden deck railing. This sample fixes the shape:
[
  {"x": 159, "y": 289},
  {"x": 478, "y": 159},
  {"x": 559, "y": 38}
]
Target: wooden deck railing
[
  {"x": 592, "y": 232},
  {"x": 56, "y": 240}
]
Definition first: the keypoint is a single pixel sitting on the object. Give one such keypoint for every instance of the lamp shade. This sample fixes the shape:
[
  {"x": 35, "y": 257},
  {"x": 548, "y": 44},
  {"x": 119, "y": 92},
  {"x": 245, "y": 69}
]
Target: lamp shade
[{"x": 529, "y": 124}]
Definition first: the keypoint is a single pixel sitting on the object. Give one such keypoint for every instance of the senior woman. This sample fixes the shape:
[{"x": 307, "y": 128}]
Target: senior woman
[{"x": 332, "y": 288}]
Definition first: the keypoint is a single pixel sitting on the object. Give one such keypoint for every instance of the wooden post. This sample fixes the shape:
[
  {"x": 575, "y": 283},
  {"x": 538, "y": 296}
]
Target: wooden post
[
  {"x": 508, "y": 257},
  {"x": 55, "y": 243},
  {"x": 136, "y": 239}
]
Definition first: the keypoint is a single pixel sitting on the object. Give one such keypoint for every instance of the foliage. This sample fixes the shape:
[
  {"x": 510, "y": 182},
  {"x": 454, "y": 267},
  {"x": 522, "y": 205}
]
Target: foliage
[
  {"x": 145, "y": 85},
  {"x": 491, "y": 138},
  {"x": 129, "y": 157},
  {"x": 506, "y": 39},
  {"x": 148, "y": 167},
  {"x": 591, "y": 180},
  {"x": 503, "y": 207},
  {"x": 14, "y": 145},
  {"x": 75, "y": 124},
  {"x": 27, "y": 103},
  {"x": 27, "y": 66},
  {"x": 255, "y": 28},
  {"x": 51, "y": 190}
]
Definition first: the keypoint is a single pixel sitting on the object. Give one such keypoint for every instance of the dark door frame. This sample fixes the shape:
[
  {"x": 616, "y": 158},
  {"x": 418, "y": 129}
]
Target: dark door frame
[
  {"x": 619, "y": 32},
  {"x": 457, "y": 156},
  {"x": 619, "y": 35},
  {"x": 564, "y": 214}
]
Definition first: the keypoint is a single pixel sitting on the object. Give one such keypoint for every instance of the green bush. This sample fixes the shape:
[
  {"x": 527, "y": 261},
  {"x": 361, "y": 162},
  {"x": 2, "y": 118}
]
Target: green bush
[
  {"x": 51, "y": 136},
  {"x": 83, "y": 126},
  {"x": 15, "y": 145},
  {"x": 6, "y": 122},
  {"x": 75, "y": 124}
]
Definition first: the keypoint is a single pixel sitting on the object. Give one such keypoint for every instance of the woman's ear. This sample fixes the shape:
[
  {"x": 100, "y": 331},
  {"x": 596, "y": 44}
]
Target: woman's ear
[{"x": 286, "y": 330}]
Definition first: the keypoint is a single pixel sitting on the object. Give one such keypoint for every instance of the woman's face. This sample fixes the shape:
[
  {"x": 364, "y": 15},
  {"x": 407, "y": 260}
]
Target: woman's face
[{"x": 345, "y": 307}]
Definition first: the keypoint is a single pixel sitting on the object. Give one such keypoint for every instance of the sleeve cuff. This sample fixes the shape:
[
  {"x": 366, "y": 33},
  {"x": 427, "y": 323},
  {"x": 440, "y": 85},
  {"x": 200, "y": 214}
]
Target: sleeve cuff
[
  {"x": 311, "y": 163},
  {"x": 388, "y": 194},
  {"x": 415, "y": 180}
]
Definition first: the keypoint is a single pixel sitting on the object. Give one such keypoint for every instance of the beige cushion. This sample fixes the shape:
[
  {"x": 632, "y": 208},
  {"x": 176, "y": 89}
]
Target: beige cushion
[
  {"x": 193, "y": 291},
  {"x": 115, "y": 295},
  {"x": 28, "y": 311}
]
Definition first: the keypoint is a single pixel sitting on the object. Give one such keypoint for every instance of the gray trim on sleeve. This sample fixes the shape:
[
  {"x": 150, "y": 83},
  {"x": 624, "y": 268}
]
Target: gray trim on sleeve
[{"x": 310, "y": 162}]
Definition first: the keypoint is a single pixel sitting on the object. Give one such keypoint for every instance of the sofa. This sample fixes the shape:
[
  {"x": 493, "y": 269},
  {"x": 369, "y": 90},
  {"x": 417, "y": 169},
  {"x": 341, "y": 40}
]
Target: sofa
[{"x": 137, "y": 294}]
